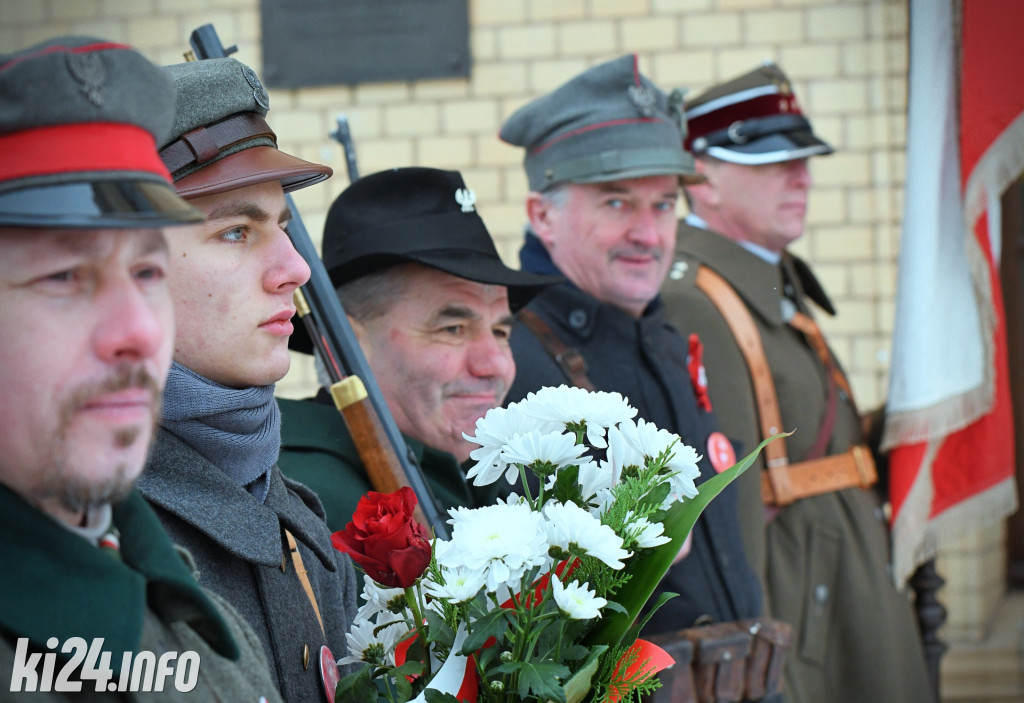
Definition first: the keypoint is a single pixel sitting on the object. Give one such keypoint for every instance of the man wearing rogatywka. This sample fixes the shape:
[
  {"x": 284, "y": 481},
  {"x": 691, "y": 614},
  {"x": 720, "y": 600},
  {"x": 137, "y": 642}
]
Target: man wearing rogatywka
[
  {"x": 604, "y": 160},
  {"x": 812, "y": 526},
  {"x": 259, "y": 538},
  {"x": 94, "y": 596},
  {"x": 429, "y": 301}
]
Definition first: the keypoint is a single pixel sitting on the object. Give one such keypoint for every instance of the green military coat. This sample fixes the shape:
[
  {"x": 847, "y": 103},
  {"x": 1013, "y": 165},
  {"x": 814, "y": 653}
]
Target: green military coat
[
  {"x": 56, "y": 584},
  {"x": 824, "y": 559},
  {"x": 317, "y": 450}
]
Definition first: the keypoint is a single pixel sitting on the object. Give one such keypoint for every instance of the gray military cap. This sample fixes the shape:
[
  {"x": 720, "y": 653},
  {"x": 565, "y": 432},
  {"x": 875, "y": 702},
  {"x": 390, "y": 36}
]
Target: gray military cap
[
  {"x": 80, "y": 119},
  {"x": 220, "y": 140},
  {"x": 606, "y": 124},
  {"x": 752, "y": 119}
]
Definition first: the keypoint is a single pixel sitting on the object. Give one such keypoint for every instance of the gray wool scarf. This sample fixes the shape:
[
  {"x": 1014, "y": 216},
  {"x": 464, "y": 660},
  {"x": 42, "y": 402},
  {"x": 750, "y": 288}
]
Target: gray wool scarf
[{"x": 236, "y": 430}]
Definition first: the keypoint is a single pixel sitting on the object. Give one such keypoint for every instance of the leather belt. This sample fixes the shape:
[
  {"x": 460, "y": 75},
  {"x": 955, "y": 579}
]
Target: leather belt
[
  {"x": 204, "y": 144},
  {"x": 854, "y": 468}
]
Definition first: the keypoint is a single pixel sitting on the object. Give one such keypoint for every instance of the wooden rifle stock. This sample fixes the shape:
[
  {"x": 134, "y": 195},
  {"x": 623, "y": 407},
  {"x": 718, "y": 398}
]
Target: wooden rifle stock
[{"x": 388, "y": 462}]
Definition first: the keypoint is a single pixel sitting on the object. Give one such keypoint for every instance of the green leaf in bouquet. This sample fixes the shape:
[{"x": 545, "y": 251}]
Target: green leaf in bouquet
[
  {"x": 433, "y": 696},
  {"x": 579, "y": 685},
  {"x": 492, "y": 624},
  {"x": 537, "y": 679},
  {"x": 648, "y": 569},
  {"x": 357, "y": 687}
]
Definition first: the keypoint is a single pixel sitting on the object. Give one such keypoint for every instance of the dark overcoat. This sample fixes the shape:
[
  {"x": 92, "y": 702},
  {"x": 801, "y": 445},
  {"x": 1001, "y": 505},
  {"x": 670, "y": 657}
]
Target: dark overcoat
[
  {"x": 57, "y": 585},
  {"x": 823, "y": 560},
  {"x": 242, "y": 555}
]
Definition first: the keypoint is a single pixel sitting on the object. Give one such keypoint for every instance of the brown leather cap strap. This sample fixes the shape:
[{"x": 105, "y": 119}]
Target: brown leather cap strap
[
  {"x": 204, "y": 144},
  {"x": 569, "y": 360}
]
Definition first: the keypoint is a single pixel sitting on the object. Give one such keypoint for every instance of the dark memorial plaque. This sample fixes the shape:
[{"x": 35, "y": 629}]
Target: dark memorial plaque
[{"x": 325, "y": 42}]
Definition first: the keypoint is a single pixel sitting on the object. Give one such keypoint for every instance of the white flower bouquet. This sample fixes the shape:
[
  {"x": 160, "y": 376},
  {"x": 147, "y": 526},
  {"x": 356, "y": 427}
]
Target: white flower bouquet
[{"x": 538, "y": 597}]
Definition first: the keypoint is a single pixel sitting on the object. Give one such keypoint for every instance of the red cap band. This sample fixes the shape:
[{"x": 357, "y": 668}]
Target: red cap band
[
  {"x": 761, "y": 106},
  {"x": 84, "y": 147}
]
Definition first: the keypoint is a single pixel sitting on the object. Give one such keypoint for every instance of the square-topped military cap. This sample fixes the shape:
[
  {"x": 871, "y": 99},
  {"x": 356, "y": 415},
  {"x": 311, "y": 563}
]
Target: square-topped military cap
[
  {"x": 80, "y": 120},
  {"x": 220, "y": 140},
  {"x": 606, "y": 124},
  {"x": 752, "y": 119}
]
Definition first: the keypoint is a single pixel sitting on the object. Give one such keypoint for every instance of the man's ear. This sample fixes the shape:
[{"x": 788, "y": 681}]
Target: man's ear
[
  {"x": 705, "y": 193},
  {"x": 362, "y": 337},
  {"x": 539, "y": 211}
]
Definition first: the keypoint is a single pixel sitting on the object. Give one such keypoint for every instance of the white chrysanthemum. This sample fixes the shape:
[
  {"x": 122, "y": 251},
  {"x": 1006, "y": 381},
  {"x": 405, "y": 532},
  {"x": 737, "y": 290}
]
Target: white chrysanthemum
[
  {"x": 685, "y": 471},
  {"x": 493, "y": 431},
  {"x": 633, "y": 443},
  {"x": 596, "y": 480},
  {"x": 646, "y": 533},
  {"x": 460, "y": 585},
  {"x": 576, "y": 600},
  {"x": 568, "y": 404},
  {"x": 559, "y": 450},
  {"x": 573, "y": 529},
  {"x": 367, "y": 644},
  {"x": 375, "y": 601},
  {"x": 501, "y": 541}
]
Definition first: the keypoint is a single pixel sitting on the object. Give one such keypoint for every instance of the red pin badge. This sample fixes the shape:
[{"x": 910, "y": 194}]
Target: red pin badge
[
  {"x": 329, "y": 672},
  {"x": 720, "y": 452}
]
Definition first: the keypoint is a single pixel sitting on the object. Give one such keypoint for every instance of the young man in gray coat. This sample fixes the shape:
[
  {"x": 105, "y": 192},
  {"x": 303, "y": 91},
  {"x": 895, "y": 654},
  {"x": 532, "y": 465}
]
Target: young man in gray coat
[
  {"x": 88, "y": 330},
  {"x": 259, "y": 539}
]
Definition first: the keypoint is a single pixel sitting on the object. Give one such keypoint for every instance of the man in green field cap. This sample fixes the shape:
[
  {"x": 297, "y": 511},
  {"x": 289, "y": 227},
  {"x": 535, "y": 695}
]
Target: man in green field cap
[
  {"x": 259, "y": 538},
  {"x": 88, "y": 331}
]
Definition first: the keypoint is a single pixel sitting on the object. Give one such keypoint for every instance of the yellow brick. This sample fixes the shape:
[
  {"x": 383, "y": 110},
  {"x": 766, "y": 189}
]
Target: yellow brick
[
  {"x": 122, "y": 8},
  {"x": 649, "y": 33},
  {"x": 411, "y": 119},
  {"x": 683, "y": 69},
  {"x": 498, "y": 78},
  {"x": 366, "y": 93},
  {"x": 485, "y": 182},
  {"x": 860, "y": 133},
  {"x": 826, "y": 206},
  {"x": 379, "y": 154},
  {"x": 469, "y": 116},
  {"x": 810, "y": 61},
  {"x": 776, "y": 26},
  {"x": 248, "y": 25},
  {"x": 711, "y": 30},
  {"x": 733, "y": 62},
  {"x": 484, "y": 12},
  {"x": 587, "y": 38},
  {"x": 830, "y": 128},
  {"x": 333, "y": 98},
  {"x": 505, "y": 223},
  {"x": 104, "y": 29},
  {"x": 364, "y": 121},
  {"x": 483, "y": 43},
  {"x": 491, "y": 151},
  {"x": 546, "y": 10},
  {"x": 896, "y": 19},
  {"x": 526, "y": 42},
  {"x": 862, "y": 58},
  {"x": 888, "y": 168},
  {"x": 836, "y": 22},
  {"x": 863, "y": 206},
  {"x": 835, "y": 278},
  {"x": 665, "y": 6},
  {"x": 545, "y": 76},
  {"x": 168, "y": 7},
  {"x": 23, "y": 12},
  {"x": 445, "y": 152},
  {"x": 619, "y": 8},
  {"x": 844, "y": 243},
  {"x": 441, "y": 89},
  {"x": 836, "y": 96},
  {"x": 157, "y": 31},
  {"x": 730, "y": 5},
  {"x": 855, "y": 317},
  {"x": 509, "y": 105},
  {"x": 298, "y": 125},
  {"x": 516, "y": 187},
  {"x": 844, "y": 168}
]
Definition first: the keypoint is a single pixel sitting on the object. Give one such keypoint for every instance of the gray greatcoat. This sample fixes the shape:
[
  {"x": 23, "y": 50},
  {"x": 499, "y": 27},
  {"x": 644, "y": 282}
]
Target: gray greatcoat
[
  {"x": 823, "y": 559},
  {"x": 241, "y": 553}
]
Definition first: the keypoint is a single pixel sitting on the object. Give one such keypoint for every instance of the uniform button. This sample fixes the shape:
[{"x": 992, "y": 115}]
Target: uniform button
[
  {"x": 821, "y": 594},
  {"x": 578, "y": 319},
  {"x": 678, "y": 270},
  {"x": 305, "y": 657}
]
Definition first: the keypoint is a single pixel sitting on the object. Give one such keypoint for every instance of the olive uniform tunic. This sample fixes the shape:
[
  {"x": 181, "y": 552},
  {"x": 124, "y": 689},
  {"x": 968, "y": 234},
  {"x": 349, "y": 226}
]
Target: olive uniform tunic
[
  {"x": 824, "y": 559},
  {"x": 56, "y": 584},
  {"x": 317, "y": 450},
  {"x": 242, "y": 555},
  {"x": 645, "y": 360}
]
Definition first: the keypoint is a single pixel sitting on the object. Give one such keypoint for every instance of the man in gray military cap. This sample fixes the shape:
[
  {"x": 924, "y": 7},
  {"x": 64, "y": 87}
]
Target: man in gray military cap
[
  {"x": 820, "y": 545},
  {"x": 259, "y": 538},
  {"x": 88, "y": 332},
  {"x": 604, "y": 160}
]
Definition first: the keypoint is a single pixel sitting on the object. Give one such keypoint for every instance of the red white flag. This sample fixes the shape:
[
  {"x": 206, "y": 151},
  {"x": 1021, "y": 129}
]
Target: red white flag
[{"x": 949, "y": 423}]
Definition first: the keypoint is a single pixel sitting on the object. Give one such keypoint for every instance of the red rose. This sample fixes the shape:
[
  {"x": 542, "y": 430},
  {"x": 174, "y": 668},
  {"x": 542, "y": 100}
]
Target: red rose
[{"x": 384, "y": 539}]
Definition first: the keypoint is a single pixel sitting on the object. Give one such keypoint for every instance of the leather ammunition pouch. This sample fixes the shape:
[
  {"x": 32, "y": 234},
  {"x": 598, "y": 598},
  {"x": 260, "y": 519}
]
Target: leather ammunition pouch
[{"x": 724, "y": 663}]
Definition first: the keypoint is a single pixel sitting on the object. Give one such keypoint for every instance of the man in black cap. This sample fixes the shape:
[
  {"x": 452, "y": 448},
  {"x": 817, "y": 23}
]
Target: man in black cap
[
  {"x": 258, "y": 538},
  {"x": 812, "y": 528},
  {"x": 604, "y": 160},
  {"x": 431, "y": 303},
  {"x": 88, "y": 330}
]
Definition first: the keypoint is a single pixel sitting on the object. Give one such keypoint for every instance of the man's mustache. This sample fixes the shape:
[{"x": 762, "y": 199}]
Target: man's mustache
[{"x": 123, "y": 378}]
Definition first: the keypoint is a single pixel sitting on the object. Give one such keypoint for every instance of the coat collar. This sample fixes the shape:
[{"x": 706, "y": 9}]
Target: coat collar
[
  {"x": 185, "y": 484},
  {"x": 56, "y": 584}
]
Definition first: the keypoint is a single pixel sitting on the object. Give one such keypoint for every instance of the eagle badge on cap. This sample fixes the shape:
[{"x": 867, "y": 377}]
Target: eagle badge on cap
[
  {"x": 466, "y": 198},
  {"x": 88, "y": 69},
  {"x": 259, "y": 93},
  {"x": 643, "y": 99}
]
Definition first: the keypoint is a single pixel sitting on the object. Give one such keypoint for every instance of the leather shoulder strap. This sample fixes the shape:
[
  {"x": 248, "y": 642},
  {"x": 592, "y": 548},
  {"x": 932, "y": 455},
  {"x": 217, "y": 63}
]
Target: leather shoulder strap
[
  {"x": 569, "y": 360},
  {"x": 743, "y": 329}
]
